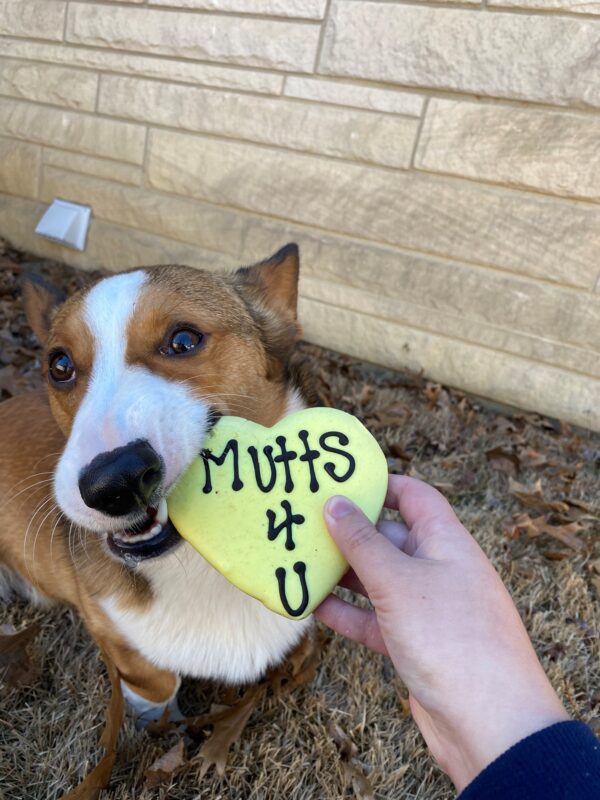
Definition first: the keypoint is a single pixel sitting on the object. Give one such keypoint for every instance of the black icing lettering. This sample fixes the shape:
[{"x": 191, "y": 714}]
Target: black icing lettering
[
  {"x": 268, "y": 451},
  {"x": 287, "y": 524},
  {"x": 309, "y": 456},
  {"x": 300, "y": 570},
  {"x": 207, "y": 456},
  {"x": 329, "y": 467},
  {"x": 285, "y": 457}
]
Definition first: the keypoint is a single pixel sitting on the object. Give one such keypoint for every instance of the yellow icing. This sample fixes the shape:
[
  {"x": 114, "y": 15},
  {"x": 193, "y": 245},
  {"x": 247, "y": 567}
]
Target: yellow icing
[{"x": 224, "y": 514}]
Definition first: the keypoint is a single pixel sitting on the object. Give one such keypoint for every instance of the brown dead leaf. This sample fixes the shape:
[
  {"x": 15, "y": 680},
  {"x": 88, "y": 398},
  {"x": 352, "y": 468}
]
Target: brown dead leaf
[
  {"x": 533, "y": 497},
  {"x": 99, "y": 778},
  {"x": 16, "y": 667},
  {"x": 352, "y": 768},
  {"x": 537, "y": 526},
  {"x": 228, "y": 725},
  {"x": 432, "y": 392},
  {"x": 503, "y": 459},
  {"x": 403, "y": 700},
  {"x": 532, "y": 459},
  {"x": 587, "y": 508},
  {"x": 162, "y": 725},
  {"x": 166, "y": 766},
  {"x": 300, "y": 667},
  {"x": 596, "y": 584},
  {"x": 397, "y": 451}
]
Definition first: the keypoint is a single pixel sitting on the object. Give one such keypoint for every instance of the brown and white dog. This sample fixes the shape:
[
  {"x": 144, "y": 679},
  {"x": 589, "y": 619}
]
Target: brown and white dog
[{"x": 140, "y": 366}]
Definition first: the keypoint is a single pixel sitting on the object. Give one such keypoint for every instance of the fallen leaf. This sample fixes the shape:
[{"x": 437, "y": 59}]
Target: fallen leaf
[
  {"x": 99, "y": 778},
  {"x": 228, "y": 725},
  {"x": 162, "y": 725},
  {"x": 300, "y": 667},
  {"x": 503, "y": 459},
  {"x": 403, "y": 700},
  {"x": 582, "y": 506},
  {"x": 351, "y": 766},
  {"x": 16, "y": 667},
  {"x": 165, "y": 767},
  {"x": 432, "y": 392},
  {"x": 533, "y": 497},
  {"x": 532, "y": 459},
  {"x": 398, "y": 452},
  {"x": 538, "y": 526}
]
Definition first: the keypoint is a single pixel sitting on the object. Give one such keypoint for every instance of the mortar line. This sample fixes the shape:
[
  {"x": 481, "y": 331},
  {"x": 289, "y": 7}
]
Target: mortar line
[
  {"x": 204, "y": 12},
  {"x": 322, "y": 34},
  {"x": 419, "y": 131}
]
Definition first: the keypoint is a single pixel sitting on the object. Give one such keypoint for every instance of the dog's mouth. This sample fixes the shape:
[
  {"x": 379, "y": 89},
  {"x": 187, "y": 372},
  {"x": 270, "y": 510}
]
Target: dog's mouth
[{"x": 151, "y": 536}]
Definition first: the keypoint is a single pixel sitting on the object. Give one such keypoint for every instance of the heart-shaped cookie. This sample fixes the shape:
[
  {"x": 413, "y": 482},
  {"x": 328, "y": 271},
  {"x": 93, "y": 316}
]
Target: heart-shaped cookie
[{"x": 252, "y": 504}]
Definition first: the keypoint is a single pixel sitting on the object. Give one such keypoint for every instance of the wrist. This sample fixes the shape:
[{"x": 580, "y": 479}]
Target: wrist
[{"x": 472, "y": 747}]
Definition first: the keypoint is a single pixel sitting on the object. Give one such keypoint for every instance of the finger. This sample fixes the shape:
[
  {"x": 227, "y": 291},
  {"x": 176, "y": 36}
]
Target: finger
[
  {"x": 358, "y": 624},
  {"x": 417, "y": 501},
  {"x": 395, "y": 532},
  {"x": 351, "y": 581},
  {"x": 374, "y": 559}
]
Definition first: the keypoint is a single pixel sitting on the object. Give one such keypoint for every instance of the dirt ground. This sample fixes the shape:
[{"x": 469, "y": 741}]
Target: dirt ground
[{"x": 543, "y": 539}]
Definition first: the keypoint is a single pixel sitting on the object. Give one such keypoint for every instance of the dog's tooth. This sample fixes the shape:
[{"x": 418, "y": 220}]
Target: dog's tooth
[
  {"x": 154, "y": 530},
  {"x": 162, "y": 513}
]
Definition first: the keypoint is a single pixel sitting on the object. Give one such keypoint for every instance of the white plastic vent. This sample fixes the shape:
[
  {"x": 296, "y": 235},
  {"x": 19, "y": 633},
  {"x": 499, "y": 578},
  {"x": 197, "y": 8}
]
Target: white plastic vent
[{"x": 66, "y": 223}]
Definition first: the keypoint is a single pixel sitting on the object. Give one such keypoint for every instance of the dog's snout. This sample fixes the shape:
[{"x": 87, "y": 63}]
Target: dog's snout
[{"x": 121, "y": 481}]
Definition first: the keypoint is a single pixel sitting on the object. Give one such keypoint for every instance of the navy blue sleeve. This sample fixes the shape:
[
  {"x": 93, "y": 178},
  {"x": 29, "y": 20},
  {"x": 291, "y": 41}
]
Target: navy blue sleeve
[{"x": 561, "y": 762}]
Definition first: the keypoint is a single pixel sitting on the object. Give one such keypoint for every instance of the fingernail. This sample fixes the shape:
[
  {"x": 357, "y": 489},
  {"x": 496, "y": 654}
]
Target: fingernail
[{"x": 338, "y": 507}]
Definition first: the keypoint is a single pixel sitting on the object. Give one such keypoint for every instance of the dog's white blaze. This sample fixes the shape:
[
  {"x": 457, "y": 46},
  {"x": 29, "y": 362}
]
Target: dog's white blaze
[
  {"x": 200, "y": 625},
  {"x": 124, "y": 403}
]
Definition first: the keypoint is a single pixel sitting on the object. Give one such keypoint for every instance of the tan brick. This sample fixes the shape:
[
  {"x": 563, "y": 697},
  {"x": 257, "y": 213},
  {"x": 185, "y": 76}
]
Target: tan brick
[
  {"x": 554, "y": 151},
  {"x": 108, "y": 245},
  {"x": 543, "y": 322},
  {"x": 168, "y": 69},
  {"x": 358, "y": 135},
  {"x": 538, "y": 236},
  {"x": 98, "y": 167},
  {"x": 543, "y": 58},
  {"x": 438, "y": 294},
  {"x": 443, "y": 321},
  {"x": 573, "y": 6},
  {"x": 55, "y": 85},
  {"x": 275, "y": 44},
  {"x": 306, "y": 9},
  {"x": 197, "y": 223},
  {"x": 503, "y": 377},
  {"x": 19, "y": 168},
  {"x": 71, "y": 130},
  {"x": 351, "y": 94},
  {"x": 39, "y": 19}
]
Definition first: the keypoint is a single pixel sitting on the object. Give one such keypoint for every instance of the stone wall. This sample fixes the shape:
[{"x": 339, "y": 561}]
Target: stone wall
[{"x": 439, "y": 164}]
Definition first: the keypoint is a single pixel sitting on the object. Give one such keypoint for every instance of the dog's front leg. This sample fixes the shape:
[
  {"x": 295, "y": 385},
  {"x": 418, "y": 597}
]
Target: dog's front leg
[{"x": 148, "y": 690}]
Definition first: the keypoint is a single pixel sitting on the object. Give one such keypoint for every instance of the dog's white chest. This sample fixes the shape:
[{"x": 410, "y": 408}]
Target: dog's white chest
[{"x": 200, "y": 625}]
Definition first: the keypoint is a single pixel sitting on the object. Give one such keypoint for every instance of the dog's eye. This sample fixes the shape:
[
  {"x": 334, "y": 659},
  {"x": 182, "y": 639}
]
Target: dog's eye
[
  {"x": 182, "y": 341},
  {"x": 61, "y": 367}
]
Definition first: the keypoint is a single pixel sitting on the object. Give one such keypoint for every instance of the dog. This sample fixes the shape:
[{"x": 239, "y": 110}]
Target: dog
[{"x": 140, "y": 366}]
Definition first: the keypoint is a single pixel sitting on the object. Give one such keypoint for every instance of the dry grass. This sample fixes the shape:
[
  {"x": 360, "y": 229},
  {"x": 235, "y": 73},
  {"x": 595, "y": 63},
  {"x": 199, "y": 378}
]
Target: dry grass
[{"x": 49, "y": 732}]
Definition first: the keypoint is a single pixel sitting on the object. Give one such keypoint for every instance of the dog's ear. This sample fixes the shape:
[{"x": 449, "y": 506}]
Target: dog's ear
[
  {"x": 273, "y": 283},
  {"x": 270, "y": 292},
  {"x": 40, "y": 299}
]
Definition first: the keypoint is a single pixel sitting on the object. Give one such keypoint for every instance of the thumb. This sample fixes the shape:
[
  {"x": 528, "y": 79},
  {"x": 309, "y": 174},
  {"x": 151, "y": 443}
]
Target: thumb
[{"x": 368, "y": 552}]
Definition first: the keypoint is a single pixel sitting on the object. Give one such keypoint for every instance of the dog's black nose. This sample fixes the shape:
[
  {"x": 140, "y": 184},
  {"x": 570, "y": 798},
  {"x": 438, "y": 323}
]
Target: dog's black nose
[{"x": 121, "y": 481}]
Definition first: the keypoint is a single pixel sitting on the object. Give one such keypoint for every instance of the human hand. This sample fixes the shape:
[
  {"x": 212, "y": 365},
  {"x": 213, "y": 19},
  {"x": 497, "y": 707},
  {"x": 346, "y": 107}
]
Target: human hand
[{"x": 448, "y": 623}]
